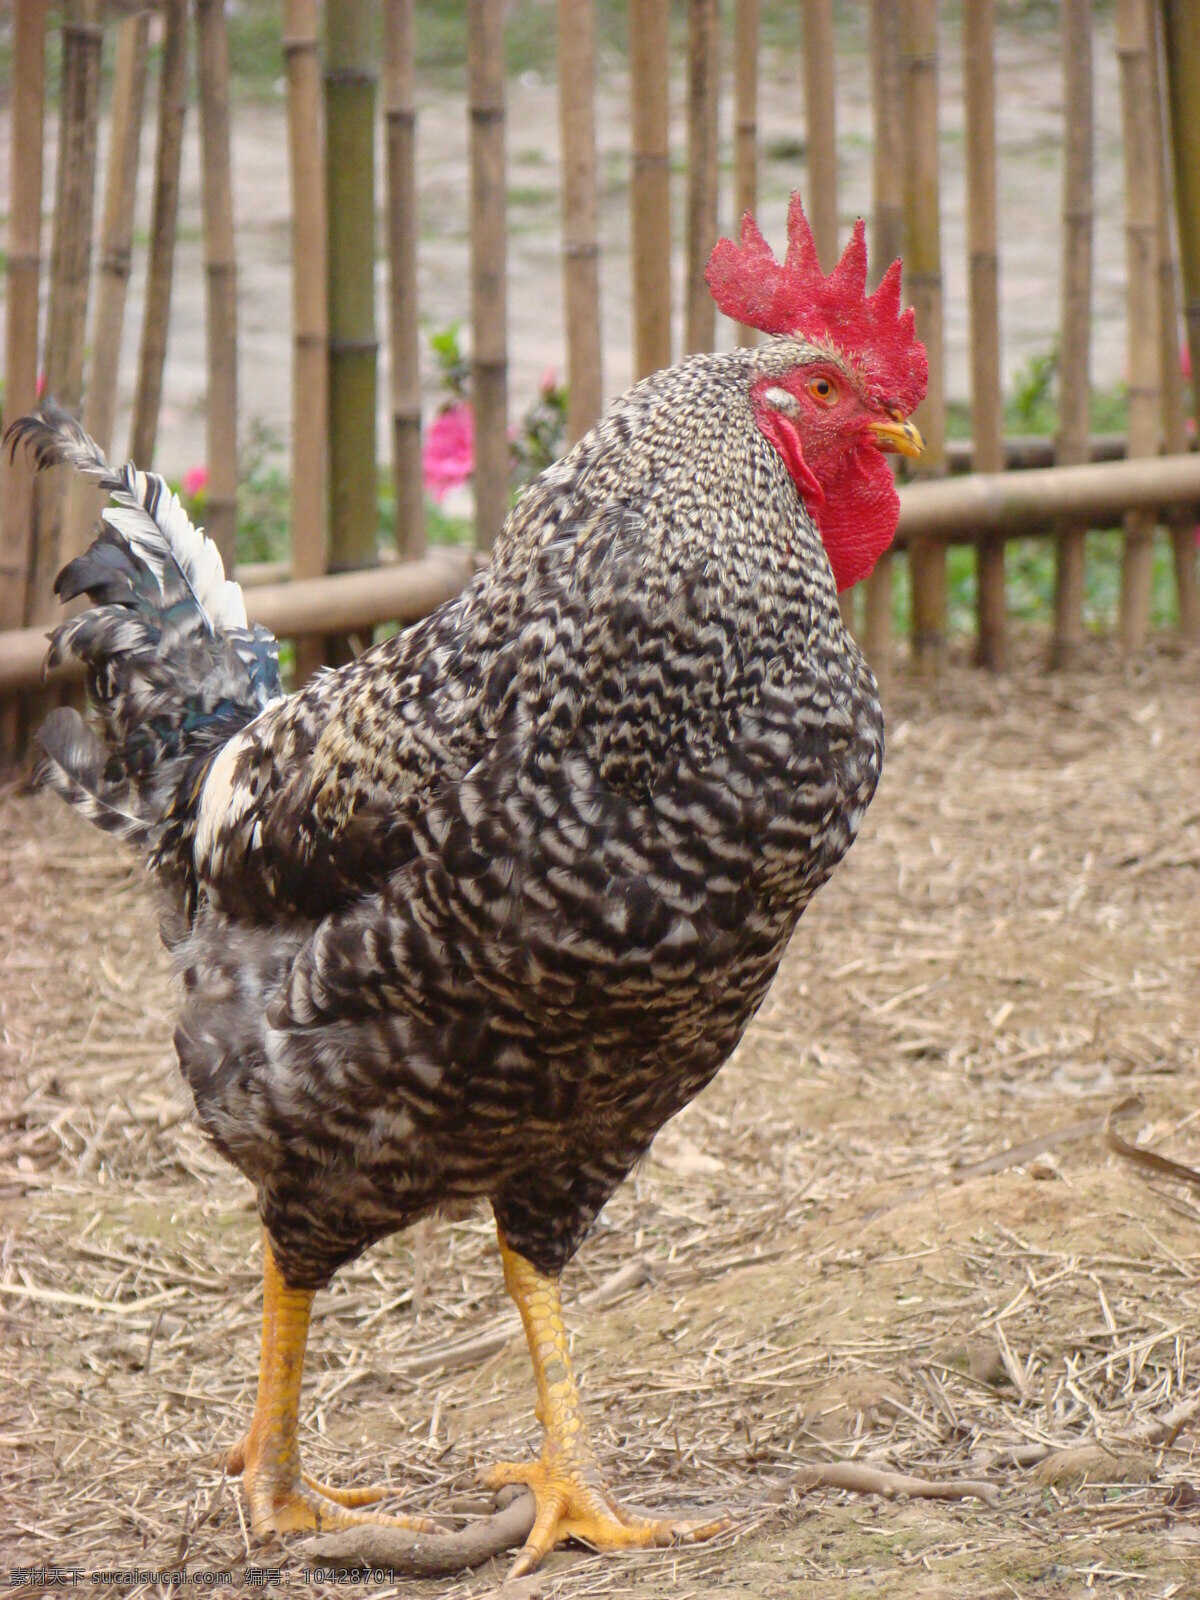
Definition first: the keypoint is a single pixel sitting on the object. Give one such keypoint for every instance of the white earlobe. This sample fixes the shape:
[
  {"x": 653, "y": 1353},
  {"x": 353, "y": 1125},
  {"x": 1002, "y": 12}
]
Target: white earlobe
[{"x": 782, "y": 400}]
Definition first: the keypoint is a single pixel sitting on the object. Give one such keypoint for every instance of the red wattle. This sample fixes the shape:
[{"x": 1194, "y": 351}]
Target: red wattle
[{"x": 782, "y": 433}]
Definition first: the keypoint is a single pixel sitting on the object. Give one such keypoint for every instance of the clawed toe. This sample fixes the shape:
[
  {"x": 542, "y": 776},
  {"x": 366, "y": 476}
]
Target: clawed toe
[{"x": 572, "y": 1503}]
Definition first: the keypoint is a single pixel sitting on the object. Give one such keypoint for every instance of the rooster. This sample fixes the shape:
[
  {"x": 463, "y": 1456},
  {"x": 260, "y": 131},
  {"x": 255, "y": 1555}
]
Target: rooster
[{"x": 470, "y": 918}]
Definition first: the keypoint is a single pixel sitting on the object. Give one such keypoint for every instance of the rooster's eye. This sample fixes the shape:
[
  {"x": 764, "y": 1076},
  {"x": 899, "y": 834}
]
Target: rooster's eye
[{"x": 823, "y": 390}]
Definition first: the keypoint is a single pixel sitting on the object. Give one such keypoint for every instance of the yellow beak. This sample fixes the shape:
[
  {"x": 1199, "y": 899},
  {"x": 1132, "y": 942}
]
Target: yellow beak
[{"x": 901, "y": 435}]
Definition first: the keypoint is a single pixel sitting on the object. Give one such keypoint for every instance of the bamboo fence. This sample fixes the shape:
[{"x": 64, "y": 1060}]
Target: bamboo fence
[{"x": 1062, "y": 487}]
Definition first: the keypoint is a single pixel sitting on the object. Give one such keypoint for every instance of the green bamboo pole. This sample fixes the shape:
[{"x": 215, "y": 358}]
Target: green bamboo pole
[
  {"x": 650, "y": 183},
  {"x": 987, "y": 406},
  {"x": 350, "y": 82},
  {"x": 1074, "y": 384},
  {"x": 400, "y": 117},
  {"x": 489, "y": 279},
  {"x": 23, "y": 272},
  {"x": 923, "y": 282}
]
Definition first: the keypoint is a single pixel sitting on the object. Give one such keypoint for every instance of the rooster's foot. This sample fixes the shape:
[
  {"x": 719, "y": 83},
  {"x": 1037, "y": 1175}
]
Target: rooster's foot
[{"x": 572, "y": 1503}]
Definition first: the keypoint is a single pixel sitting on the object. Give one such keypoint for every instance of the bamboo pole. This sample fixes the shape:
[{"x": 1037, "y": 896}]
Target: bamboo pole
[
  {"x": 923, "y": 280},
  {"x": 400, "y": 120},
  {"x": 704, "y": 37},
  {"x": 1135, "y": 39},
  {"x": 887, "y": 242},
  {"x": 820, "y": 116},
  {"x": 489, "y": 316},
  {"x": 987, "y": 407},
  {"x": 220, "y": 270},
  {"x": 70, "y": 276},
  {"x": 1181, "y": 27},
  {"x": 1174, "y": 410},
  {"x": 350, "y": 232},
  {"x": 116, "y": 228},
  {"x": 23, "y": 271},
  {"x": 581, "y": 250},
  {"x": 820, "y": 120},
  {"x": 310, "y": 327},
  {"x": 1074, "y": 384},
  {"x": 745, "y": 121},
  {"x": 172, "y": 104},
  {"x": 650, "y": 183},
  {"x": 116, "y": 235}
]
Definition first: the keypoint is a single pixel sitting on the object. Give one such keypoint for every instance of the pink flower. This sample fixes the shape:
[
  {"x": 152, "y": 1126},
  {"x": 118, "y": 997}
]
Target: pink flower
[
  {"x": 41, "y": 385},
  {"x": 195, "y": 482},
  {"x": 448, "y": 458},
  {"x": 548, "y": 383}
]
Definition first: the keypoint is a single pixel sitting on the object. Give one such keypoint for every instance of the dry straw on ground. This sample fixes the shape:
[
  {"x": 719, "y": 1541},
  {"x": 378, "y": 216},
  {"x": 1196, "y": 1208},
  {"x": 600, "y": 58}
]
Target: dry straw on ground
[{"x": 892, "y": 1236}]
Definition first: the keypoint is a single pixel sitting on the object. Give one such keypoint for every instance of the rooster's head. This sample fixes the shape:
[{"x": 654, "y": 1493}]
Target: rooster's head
[{"x": 839, "y": 380}]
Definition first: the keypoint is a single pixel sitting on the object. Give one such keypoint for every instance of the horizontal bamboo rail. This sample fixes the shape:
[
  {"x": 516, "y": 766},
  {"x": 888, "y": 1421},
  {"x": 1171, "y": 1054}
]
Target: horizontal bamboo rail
[
  {"x": 940, "y": 511},
  {"x": 343, "y": 603},
  {"x": 1014, "y": 504}
]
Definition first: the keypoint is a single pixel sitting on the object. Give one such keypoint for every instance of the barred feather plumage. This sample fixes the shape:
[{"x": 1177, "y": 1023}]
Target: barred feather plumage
[
  {"x": 172, "y": 667},
  {"x": 473, "y": 915}
]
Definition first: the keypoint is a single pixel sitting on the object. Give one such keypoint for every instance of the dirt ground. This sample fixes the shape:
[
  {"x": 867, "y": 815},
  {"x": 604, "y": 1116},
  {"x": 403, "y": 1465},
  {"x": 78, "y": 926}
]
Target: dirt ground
[{"x": 890, "y": 1234}]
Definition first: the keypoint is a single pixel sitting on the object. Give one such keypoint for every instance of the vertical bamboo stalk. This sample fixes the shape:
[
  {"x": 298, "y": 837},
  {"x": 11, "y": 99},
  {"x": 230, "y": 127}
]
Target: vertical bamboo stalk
[
  {"x": 581, "y": 251},
  {"x": 399, "y": 55},
  {"x": 172, "y": 104},
  {"x": 350, "y": 256},
  {"x": 489, "y": 316},
  {"x": 745, "y": 121},
  {"x": 220, "y": 269},
  {"x": 1135, "y": 38},
  {"x": 70, "y": 274},
  {"x": 887, "y": 241},
  {"x": 1074, "y": 383},
  {"x": 704, "y": 38},
  {"x": 820, "y": 119},
  {"x": 820, "y": 122},
  {"x": 116, "y": 234},
  {"x": 116, "y": 228},
  {"x": 1181, "y": 519},
  {"x": 1181, "y": 26},
  {"x": 650, "y": 183},
  {"x": 923, "y": 278},
  {"x": 987, "y": 408},
  {"x": 21, "y": 324},
  {"x": 310, "y": 327}
]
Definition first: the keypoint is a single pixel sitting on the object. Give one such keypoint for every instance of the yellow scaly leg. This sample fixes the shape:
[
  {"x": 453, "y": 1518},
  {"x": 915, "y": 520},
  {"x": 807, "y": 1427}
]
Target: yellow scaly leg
[
  {"x": 572, "y": 1500},
  {"x": 283, "y": 1499}
]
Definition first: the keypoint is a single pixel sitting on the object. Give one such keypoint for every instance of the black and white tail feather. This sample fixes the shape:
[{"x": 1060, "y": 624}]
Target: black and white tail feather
[{"x": 173, "y": 669}]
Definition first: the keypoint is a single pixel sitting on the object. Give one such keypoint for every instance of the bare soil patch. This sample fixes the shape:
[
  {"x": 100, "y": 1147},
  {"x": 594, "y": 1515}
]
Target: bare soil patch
[{"x": 842, "y": 1260}]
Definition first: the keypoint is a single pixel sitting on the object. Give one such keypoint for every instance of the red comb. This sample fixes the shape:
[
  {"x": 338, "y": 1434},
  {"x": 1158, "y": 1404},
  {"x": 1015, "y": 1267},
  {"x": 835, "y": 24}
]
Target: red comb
[{"x": 750, "y": 286}]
